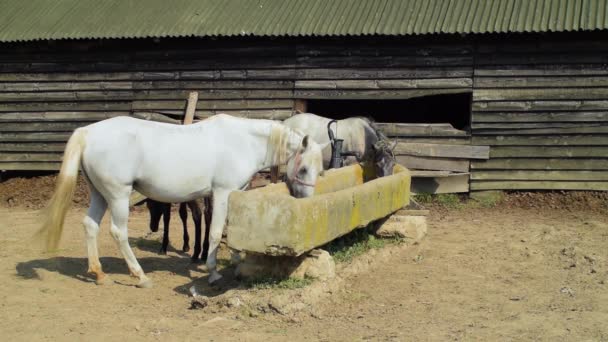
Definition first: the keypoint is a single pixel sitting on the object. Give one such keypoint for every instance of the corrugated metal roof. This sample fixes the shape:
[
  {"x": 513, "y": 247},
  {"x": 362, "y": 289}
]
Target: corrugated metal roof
[{"x": 23, "y": 20}]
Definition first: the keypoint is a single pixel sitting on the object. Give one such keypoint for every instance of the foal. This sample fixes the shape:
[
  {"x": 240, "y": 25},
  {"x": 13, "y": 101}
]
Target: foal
[{"x": 159, "y": 209}]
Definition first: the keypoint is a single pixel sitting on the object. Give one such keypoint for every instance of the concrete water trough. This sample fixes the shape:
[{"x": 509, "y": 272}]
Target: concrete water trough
[{"x": 269, "y": 221}]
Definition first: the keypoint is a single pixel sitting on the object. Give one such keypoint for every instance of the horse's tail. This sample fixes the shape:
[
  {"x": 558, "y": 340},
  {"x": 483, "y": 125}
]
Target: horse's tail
[{"x": 54, "y": 214}]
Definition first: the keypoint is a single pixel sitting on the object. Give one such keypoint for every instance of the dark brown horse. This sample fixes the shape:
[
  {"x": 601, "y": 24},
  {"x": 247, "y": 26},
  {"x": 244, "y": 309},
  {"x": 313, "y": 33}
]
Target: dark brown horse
[{"x": 160, "y": 209}]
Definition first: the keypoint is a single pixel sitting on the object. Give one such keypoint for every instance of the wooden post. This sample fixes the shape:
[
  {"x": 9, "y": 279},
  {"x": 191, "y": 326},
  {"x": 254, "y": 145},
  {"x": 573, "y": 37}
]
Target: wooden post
[
  {"x": 300, "y": 106},
  {"x": 191, "y": 108}
]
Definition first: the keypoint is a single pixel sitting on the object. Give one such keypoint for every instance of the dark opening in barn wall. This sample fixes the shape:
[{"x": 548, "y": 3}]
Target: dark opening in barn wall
[
  {"x": 454, "y": 109},
  {"x": 432, "y": 135}
]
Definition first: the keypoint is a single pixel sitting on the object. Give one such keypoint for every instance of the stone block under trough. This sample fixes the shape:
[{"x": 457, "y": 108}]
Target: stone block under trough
[{"x": 270, "y": 221}]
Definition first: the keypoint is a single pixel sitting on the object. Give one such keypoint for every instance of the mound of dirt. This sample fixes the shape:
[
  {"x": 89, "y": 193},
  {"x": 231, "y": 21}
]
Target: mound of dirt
[
  {"x": 35, "y": 192},
  {"x": 595, "y": 201}
]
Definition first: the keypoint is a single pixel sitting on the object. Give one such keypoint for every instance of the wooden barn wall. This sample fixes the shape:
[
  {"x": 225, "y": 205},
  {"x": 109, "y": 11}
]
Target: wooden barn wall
[
  {"x": 542, "y": 106},
  {"x": 539, "y": 101},
  {"x": 48, "y": 90}
]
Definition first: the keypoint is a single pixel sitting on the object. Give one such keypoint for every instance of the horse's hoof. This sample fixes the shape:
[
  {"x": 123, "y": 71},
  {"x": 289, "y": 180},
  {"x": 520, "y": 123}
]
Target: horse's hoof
[
  {"x": 104, "y": 280},
  {"x": 145, "y": 284},
  {"x": 162, "y": 252},
  {"x": 214, "y": 277},
  {"x": 186, "y": 249}
]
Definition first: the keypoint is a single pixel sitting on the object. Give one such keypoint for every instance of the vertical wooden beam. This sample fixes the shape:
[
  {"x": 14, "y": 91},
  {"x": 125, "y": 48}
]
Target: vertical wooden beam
[{"x": 191, "y": 108}]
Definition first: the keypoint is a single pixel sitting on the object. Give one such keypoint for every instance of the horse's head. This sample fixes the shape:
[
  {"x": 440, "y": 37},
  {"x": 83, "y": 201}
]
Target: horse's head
[
  {"x": 384, "y": 159},
  {"x": 304, "y": 168}
]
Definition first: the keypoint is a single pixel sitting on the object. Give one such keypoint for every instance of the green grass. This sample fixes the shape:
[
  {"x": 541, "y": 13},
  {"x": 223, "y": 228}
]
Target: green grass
[
  {"x": 356, "y": 243},
  {"x": 450, "y": 201},
  {"x": 276, "y": 283}
]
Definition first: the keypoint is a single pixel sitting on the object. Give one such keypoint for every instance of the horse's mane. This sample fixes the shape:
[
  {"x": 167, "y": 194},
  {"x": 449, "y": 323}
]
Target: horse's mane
[
  {"x": 278, "y": 143},
  {"x": 383, "y": 142}
]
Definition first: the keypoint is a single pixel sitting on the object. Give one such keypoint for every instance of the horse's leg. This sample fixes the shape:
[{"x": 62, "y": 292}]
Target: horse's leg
[
  {"x": 208, "y": 215},
  {"x": 183, "y": 215},
  {"x": 220, "y": 210},
  {"x": 91, "y": 222},
  {"x": 196, "y": 255},
  {"x": 166, "y": 210},
  {"x": 119, "y": 208},
  {"x": 196, "y": 217}
]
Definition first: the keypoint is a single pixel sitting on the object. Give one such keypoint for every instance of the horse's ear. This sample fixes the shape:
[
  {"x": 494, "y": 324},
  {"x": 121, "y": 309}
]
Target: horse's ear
[{"x": 305, "y": 143}]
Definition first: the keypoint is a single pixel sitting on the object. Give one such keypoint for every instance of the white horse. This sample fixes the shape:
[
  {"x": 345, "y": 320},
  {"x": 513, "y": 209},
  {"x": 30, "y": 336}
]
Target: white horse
[
  {"x": 359, "y": 135},
  {"x": 172, "y": 163}
]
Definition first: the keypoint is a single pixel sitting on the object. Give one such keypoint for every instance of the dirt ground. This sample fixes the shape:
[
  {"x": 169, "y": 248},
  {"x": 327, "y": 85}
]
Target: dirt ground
[{"x": 514, "y": 272}]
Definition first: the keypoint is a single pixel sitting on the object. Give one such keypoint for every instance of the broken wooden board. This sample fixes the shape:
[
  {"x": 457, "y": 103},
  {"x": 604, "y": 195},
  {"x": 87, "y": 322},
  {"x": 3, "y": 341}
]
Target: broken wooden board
[
  {"x": 441, "y": 150},
  {"x": 441, "y": 185}
]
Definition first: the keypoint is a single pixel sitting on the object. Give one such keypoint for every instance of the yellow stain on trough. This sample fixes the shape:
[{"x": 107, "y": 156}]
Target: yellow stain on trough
[{"x": 268, "y": 220}]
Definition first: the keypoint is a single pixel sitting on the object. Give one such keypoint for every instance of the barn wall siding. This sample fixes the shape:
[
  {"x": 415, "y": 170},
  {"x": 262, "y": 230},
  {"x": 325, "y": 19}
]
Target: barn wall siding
[
  {"x": 539, "y": 102},
  {"x": 543, "y": 108}
]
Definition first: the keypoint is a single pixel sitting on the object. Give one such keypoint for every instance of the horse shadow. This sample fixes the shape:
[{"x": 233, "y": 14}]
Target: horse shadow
[{"x": 75, "y": 268}]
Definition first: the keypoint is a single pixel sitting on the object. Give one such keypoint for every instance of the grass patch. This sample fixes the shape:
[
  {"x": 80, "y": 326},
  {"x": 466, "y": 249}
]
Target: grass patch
[
  {"x": 449, "y": 201},
  {"x": 356, "y": 243},
  {"x": 276, "y": 283}
]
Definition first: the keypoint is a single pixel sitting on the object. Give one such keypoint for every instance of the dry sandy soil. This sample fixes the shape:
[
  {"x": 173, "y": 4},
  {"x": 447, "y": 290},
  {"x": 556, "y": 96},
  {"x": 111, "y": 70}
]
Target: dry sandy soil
[{"x": 506, "y": 273}]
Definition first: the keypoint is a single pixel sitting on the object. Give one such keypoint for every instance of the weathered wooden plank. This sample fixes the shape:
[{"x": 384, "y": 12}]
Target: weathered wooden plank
[
  {"x": 32, "y": 147},
  {"x": 526, "y": 106},
  {"x": 386, "y": 84},
  {"x": 478, "y": 117},
  {"x": 410, "y": 129},
  {"x": 441, "y": 185},
  {"x": 34, "y": 166},
  {"x": 252, "y": 114},
  {"x": 381, "y": 61},
  {"x": 425, "y": 163},
  {"x": 549, "y": 151},
  {"x": 538, "y": 185},
  {"x": 542, "y": 82},
  {"x": 271, "y": 114},
  {"x": 550, "y": 140},
  {"x": 540, "y": 164},
  {"x": 157, "y": 52},
  {"x": 533, "y": 125},
  {"x": 167, "y": 75},
  {"x": 429, "y": 174},
  {"x": 212, "y": 63},
  {"x": 540, "y": 94},
  {"x": 382, "y": 73},
  {"x": 65, "y": 106},
  {"x": 143, "y": 95},
  {"x": 541, "y": 175},
  {"x": 142, "y": 85},
  {"x": 151, "y": 116},
  {"x": 372, "y": 48},
  {"x": 542, "y": 70},
  {"x": 436, "y": 140},
  {"x": 30, "y": 157},
  {"x": 545, "y": 131},
  {"x": 572, "y": 57},
  {"x": 64, "y": 86},
  {"x": 214, "y": 104},
  {"x": 58, "y": 116},
  {"x": 374, "y": 94},
  {"x": 44, "y": 126},
  {"x": 442, "y": 151},
  {"x": 44, "y": 136}
]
